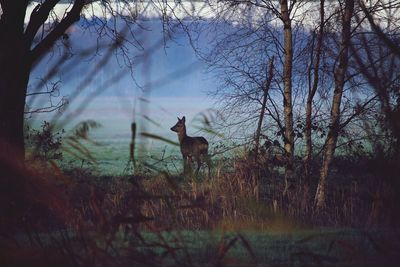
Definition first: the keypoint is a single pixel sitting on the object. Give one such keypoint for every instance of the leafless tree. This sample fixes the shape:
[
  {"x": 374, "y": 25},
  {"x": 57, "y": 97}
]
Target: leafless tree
[
  {"x": 314, "y": 77},
  {"x": 25, "y": 42},
  {"x": 377, "y": 55},
  {"x": 340, "y": 77},
  {"x": 260, "y": 29},
  {"x": 266, "y": 88}
]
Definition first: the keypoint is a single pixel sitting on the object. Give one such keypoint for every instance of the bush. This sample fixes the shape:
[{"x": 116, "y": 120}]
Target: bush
[{"x": 45, "y": 144}]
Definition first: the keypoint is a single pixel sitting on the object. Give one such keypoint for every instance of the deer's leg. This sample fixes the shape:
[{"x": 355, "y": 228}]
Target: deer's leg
[
  {"x": 198, "y": 165},
  {"x": 185, "y": 164},
  {"x": 208, "y": 161},
  {"x": 188, "y": 164}
]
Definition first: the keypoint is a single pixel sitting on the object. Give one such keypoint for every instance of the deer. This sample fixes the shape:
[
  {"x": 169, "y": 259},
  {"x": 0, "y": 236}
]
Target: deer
[{"x": 191, "y": 147}]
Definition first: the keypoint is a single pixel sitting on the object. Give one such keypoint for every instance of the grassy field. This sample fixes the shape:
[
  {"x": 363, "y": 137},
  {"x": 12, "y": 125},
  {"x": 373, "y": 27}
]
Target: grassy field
[
  {"x": 324, "y": 247},
  {"x": 313, "y": 247},
  {"x": 155, "y": 216},
  {"x": 172, "y": 221}
]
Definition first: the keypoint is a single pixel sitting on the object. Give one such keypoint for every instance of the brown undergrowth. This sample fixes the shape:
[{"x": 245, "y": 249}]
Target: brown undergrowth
[{"x": 84, "y": 220}]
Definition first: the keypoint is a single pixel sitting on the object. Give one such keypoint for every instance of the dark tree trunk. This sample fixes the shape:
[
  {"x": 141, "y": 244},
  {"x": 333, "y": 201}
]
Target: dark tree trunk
[
  {"x": 17, "y": 56},
  {"x": 267, "y": 85},
  {"x": 14, "y": 76},
  {"x": 312, "y": 90}
]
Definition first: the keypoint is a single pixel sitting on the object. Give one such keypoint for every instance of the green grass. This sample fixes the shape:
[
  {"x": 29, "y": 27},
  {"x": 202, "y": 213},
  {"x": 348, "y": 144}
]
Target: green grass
[{"x": 323, "y": 247}]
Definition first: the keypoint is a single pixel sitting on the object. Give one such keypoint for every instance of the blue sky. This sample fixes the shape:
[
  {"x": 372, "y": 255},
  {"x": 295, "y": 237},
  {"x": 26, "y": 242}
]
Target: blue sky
[{"x": 179, "y": 84}]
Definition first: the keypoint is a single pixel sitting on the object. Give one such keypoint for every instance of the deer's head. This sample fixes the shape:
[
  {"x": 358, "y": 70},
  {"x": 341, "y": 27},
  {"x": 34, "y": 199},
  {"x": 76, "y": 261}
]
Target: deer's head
[{"x": 179, "y": 126}]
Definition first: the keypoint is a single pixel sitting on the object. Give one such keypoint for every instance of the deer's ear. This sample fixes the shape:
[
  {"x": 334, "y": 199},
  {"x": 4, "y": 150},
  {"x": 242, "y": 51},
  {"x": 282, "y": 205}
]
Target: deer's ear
[
  {"x": 183, "y": 118},
  {"x": 178, "y": 119}
]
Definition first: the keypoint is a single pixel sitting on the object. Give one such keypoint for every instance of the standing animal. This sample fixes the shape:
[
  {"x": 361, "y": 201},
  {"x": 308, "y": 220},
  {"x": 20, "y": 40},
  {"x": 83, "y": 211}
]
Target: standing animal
[{"x": 191, "y": 147}]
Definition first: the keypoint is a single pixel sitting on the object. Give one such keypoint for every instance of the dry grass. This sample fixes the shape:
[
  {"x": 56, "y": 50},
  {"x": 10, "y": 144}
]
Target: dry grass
[
  {"x": 229, "y": 199},
  {"x": 83, "y": 220},
  {"x": 244, "y": 194}
]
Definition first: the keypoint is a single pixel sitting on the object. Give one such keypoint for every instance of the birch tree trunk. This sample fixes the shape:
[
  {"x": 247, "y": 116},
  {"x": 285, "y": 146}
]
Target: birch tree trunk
[
  {"x": 339, "y": 75},
  {"x": 287, "y": 92}
]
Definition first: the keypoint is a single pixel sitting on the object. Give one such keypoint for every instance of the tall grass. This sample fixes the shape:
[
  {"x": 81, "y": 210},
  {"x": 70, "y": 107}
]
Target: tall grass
[{"x": 58, "y": 218}]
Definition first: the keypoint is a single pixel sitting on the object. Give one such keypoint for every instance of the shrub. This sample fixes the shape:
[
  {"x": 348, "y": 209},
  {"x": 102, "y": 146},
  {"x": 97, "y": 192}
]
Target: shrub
[{"x": 45, "y": 143}]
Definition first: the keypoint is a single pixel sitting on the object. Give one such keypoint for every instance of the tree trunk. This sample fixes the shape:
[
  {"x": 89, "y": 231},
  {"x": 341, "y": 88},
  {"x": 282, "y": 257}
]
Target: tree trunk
[
  {"x": 14, "y": 76},
  {"x": 312, "y": 91},
  {"x": 263, "y": 105},
  {"x": 287, "y": 93},
  {"x": 16, "y": 60},
  {"x": 340, "y": 74}
]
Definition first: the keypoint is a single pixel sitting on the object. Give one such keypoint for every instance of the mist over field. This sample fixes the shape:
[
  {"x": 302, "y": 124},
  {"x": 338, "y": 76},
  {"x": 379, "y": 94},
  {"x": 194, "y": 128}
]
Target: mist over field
[{"x": 171, "y": 82}]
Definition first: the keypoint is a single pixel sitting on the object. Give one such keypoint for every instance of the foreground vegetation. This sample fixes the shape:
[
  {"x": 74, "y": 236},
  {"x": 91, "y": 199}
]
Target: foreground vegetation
[{"x": 238, "y": 217}]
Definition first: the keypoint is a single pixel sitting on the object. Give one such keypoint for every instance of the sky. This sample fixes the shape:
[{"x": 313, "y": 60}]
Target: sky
[{"x": 172, "y": 82}]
